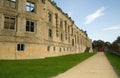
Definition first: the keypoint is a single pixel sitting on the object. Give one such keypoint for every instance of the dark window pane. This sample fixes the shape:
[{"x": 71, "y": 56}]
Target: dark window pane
[
  {"x": 30, "y": 26},
  {"x": 27, "y": 28},
  {"x": 31, "y": 9},
  {"x": 50, "y": 33},
  {"x": 32, "y": 23},
  {"x": 22, "y": 47},
  {"x": 9, "y": 23},
  {"x": 6, "y": 23},
  {"x": 18, "y": 47},
  {"x": 49, "y": 17},
  {"x": 48, "y": 48},
  {"x": 27, "y": 23},
  {"x": 54, "y": 48},
  {"x": 12, "y": 26}
]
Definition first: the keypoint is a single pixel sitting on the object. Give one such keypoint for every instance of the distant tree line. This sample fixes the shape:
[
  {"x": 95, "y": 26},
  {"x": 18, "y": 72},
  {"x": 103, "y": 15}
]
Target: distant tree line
[{"x": 114, "y": 47}]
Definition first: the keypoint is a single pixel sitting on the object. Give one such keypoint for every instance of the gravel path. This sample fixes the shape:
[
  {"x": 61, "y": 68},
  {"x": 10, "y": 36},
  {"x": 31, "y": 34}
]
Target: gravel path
[{"x": 96, "y": 66}]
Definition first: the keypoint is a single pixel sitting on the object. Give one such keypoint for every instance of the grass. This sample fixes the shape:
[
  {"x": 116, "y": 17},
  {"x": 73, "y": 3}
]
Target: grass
[
  {"x": 115, "y": 61},
  {"x": 40, "y": 68}
]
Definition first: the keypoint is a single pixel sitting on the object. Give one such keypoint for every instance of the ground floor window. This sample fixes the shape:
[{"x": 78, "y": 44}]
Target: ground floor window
[
  {"x": 20, "y": 47},
  {"x": 54, "y": 48},
  {"x": 60, "y": 49},
  {"x": 48, "y": 48}
]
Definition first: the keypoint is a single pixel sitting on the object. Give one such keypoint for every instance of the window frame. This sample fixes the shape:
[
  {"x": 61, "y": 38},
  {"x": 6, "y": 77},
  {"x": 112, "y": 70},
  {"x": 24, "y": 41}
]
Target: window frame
[
  {"x": 49, "y": 17},
  {"x": 54, "y": 48},
  {"x": 20, "y": 47},
  {"x": 30, "y": 7},
  {"x": 61, "y": 23},
  {"x": 10, "y": 2},
  {"x": 28, "y": 27},
  {"x": 48, "y": 48},
  {"x": 62, "y": 37},
  {"x": 50, "y": 33},
  {"x": 11, "y": 23}
]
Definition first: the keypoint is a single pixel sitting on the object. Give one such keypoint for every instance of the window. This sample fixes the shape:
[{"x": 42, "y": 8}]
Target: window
[
  {"x": 20, "y": 47},
  {"x": 56, "y": 18},
  {"x": 68, "y": 29},
  {"x": 60, "y": 49},
  {"x": 48, "y": 48},
  {"x": 49, "y": 17},
  {"x": 75, "y": 39},
  {"x": 30, "y": 26},
  {"x": 43, "y": 1},
  {"x": 65, "y": 26},
  {"x": 61, "y": 37},
  {"x": 72, "y": 42},
  {"x": 64, "y": 49},
  {"x": 78, "y": 39},
  {"x": 72, "y": 31},
  {"x": 12, "y": 0},
  {"x": 69, "y": 39},
  {"x": 30, "y": 6},
  {"x": 61, "y": 23},
  {"x": 54, "y": 48},
  {"x": 9, "y": 22},
  {"x": 10, "y": 3},
  {"x": 50, "y": 32},
  {"x": 66, "y": 36}
]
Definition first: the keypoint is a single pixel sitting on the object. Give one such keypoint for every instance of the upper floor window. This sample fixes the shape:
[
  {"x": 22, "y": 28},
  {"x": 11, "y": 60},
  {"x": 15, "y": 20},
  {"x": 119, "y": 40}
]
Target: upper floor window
[
  {"x": 68, "y": 28},
  {"x": 49, "y": 17},
  {"x": 9, "y": 22},
  {"x": 61, "y": 23},
  {"x": 56, "y": 18},
  {"x": 10, "y": 3},
  {"x": 30, "y": 6},
  {"x": 12, "y": 0},
  {"x": 54, "y": 48},
  {"x": 43, "y": 1},
  {"x": 65, "y": 26},
  {"x": 50, "y": 32},
  {"x": 72, "y": 31},
  {"x": 30, "y": 26},
  {"x": 61, "y": 37}
]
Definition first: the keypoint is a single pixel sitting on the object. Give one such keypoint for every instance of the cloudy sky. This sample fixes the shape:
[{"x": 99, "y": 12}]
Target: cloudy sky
[{"x": 100, "y": 18}]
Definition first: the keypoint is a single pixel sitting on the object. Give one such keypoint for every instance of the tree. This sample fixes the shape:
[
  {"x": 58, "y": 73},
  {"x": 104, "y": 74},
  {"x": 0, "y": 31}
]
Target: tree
[
  {"x": 115, "y": 46},
  {"x": 98, "y": 45}
]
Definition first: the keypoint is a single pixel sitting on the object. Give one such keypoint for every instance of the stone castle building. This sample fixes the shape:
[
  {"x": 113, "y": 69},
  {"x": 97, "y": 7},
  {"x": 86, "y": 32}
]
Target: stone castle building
[{"x": 36, "y": 29}]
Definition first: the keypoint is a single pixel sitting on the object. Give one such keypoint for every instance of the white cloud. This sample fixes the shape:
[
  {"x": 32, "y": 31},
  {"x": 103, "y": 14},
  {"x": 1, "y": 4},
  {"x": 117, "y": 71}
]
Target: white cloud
[
  {"x": 112, "y": 28},
  {"x": 90, "y": 18}
]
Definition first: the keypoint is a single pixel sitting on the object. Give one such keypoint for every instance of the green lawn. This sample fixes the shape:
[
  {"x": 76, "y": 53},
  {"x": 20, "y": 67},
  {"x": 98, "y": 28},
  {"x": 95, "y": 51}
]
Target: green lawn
[
  {"x": 40, "y": 68},
  {"x": 115, "y": 61}
]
